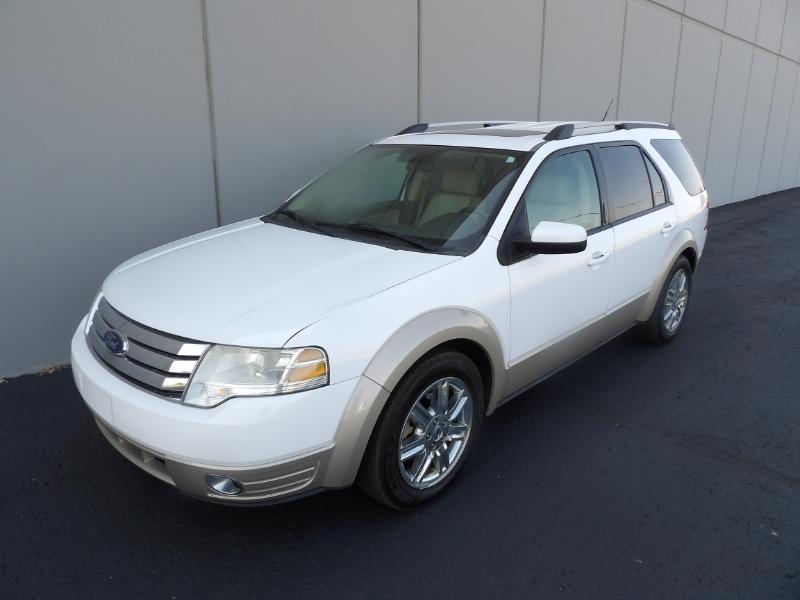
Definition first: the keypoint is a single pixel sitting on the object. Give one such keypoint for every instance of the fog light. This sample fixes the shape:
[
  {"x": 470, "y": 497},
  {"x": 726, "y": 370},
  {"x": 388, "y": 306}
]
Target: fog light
[{"x": 223, "y": 485}]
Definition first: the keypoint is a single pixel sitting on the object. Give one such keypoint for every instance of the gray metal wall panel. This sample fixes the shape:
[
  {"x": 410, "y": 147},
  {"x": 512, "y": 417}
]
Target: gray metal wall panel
[
  {"x": 474, "y": 68},
  {"x": 780, "y": 110},
  {"x": 790, "y": 162},
  {"x": 770, "y": 24},
  {"x": 299, "y": 85},
  {"x": 711, "y": 12},
  {"x": 790, "y": 47},
  {"x": 106, "y": 130},
  {"x": 754, "y": 125},
  {"x": 582, "y": 49},
  {"x": 647, "y": 85},
  {"x": 104, "y": 153},
  {"x": 673, "y": 4},
  {"x": 741, "y": 18},
  {"x": 694, "y": 87},
  {"x": 726, "y": 121}
]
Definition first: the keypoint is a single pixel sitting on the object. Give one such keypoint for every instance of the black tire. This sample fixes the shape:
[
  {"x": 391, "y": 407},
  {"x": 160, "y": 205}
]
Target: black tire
[
  {"x": 654, "y": 330},
  {"x": 380, "y": 475}
]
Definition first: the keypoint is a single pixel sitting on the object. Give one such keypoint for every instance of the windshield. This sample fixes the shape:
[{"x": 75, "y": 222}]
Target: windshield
[{"x": 428, "y": 198}]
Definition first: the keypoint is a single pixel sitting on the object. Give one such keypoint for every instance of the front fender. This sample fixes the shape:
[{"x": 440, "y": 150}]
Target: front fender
[
  {"x": 393, "y": 360},
  {"x": 429, "y": 330}
]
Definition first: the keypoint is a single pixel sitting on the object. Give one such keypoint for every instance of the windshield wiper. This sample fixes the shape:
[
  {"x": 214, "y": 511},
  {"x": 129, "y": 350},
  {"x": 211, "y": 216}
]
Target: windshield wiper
[
  {"x": 299, "y": 219},
  {"x": 360, "y": 226},
  {"x": 370, "y": 228}
]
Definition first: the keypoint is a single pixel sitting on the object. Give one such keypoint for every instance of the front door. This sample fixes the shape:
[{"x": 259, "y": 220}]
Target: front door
[{"x": 556, "y": 295}]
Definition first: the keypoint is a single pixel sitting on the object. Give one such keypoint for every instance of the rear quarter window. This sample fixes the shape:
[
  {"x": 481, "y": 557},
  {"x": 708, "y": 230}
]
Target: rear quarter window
[{"x": 680, "y": 161}]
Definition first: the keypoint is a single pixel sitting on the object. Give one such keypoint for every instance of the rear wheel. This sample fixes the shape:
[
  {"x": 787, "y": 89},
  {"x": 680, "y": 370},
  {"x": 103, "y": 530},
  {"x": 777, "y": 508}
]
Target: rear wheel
[
  {"x": 670, "y": 309},
  {"x": 425, "y": 434}
]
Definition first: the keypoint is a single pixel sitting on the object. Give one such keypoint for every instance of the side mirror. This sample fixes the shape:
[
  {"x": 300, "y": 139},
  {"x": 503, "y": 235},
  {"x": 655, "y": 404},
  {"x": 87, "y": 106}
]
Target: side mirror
[{"x": 549, "y": 237}]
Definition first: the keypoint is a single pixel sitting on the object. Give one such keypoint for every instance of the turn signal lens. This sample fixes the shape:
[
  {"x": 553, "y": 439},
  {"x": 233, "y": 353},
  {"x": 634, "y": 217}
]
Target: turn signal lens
[{"x": 306, "y": 372}]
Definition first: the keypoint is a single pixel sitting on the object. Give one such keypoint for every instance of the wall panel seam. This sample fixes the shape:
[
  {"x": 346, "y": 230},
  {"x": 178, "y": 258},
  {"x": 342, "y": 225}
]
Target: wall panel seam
[
  {"x": 419, "y": 61},
  {"x": 713, "y": 106},
  {"x": 677, "y": 69},
  {"x": 788, "y": 123},
  {"x": 541, "y": 61},
  {"x": 211, "y": 111},
  {"x": 621, "y": 58},
  {"x": 796, "y": 181},
  {"x": 769, "y": 122},
  {"x": 741, "y": 124},
  {"x": 783, "y": 28},
  {"x": 725, "y": 14}
]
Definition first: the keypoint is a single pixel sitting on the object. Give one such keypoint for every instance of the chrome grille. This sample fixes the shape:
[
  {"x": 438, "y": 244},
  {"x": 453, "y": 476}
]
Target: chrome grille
[{"x": 156, "y": 361}]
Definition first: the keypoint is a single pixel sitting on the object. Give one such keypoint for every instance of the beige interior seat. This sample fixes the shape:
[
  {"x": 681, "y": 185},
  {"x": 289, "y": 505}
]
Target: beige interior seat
[
  {"x": 459, "y": 190},
  {"x": 414, "y": 196}
]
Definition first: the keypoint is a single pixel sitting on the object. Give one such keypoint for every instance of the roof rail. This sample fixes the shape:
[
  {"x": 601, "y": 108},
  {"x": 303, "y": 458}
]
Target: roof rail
[
  {"x": 564, "y": 131},
  {"x": 420, "y": 127},
  {"x": 643, "y": 125}
]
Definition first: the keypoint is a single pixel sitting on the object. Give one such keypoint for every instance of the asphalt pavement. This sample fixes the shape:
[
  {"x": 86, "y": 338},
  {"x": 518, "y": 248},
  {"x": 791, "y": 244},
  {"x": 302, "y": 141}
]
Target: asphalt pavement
[{"x": 639, "y": 472}]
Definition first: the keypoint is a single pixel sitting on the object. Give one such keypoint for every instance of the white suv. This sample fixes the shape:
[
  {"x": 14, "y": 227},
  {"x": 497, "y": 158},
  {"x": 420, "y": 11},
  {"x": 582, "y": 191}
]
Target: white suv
[{"x": 363, "y": 330}]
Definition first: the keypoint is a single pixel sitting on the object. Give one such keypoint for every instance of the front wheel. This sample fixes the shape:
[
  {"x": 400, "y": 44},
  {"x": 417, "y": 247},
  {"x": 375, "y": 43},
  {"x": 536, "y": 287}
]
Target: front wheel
[
  {"x": 426, "y": 432},
  {"x": 673, "y": 302}
]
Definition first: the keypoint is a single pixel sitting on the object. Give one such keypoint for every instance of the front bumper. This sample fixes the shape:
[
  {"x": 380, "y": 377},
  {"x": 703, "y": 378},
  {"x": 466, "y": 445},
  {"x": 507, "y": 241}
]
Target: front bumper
[
  {"x": 259, "y": 485},
  {"x": 275, "y": 447}
]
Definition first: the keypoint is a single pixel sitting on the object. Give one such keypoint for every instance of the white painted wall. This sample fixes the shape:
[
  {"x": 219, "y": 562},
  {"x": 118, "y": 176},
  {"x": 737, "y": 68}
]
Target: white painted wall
[{"x": 113, "y": 138}]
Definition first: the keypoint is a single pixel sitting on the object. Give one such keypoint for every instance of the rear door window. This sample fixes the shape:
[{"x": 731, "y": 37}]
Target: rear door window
[
  {"x": 680, "y": 161},
  {"x": 627, "y": 180}
]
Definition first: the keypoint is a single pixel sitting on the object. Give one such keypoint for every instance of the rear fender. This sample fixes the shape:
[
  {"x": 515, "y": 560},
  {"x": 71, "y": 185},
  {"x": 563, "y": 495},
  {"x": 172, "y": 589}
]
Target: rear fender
[{"x": 680, "y": 243}]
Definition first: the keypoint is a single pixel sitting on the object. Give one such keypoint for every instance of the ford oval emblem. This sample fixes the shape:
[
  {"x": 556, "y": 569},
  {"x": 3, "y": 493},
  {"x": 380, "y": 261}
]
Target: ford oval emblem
[{"x": 115, "y": 342}]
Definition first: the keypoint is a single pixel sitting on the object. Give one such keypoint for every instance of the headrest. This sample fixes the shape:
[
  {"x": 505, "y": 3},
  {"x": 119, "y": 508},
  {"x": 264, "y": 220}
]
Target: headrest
[{"x": 461, "y": 181}]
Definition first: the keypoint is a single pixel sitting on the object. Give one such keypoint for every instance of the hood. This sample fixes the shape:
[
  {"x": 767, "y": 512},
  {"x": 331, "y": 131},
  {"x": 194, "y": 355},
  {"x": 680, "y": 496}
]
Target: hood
[{"x": 255, "y": 283}]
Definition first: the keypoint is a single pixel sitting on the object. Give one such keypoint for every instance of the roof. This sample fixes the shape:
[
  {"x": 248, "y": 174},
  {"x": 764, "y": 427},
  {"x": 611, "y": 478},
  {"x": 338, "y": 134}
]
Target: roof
[{"x": 518, "y": 135}]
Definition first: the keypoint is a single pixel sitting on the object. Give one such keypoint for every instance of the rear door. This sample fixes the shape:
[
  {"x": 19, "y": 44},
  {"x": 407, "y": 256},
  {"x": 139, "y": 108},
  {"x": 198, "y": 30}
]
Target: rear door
[{"x": 644, "y": 219}]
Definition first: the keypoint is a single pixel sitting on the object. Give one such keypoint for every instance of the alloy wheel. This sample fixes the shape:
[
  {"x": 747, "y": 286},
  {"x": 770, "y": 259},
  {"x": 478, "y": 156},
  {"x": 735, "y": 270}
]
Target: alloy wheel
[
  {"x": 435, "y": 432},
  {"x": 676, "y": 301}
]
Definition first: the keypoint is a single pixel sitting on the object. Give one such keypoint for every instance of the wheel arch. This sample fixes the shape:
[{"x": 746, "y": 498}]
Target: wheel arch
[
  {"x": 458, "y": 328},
  {"x": 683, "y": 244},
  {"x": 690, "y": 252}
]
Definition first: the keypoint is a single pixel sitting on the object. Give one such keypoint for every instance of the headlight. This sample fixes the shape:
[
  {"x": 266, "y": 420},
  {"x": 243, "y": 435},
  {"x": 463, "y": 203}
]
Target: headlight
[
  {"x": 229, "y": 371},
  {"x": 92, "y": 310}
]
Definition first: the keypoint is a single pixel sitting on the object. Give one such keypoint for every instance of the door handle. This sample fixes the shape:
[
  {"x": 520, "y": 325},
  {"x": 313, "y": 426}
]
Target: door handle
[
  {"x": 598, "y": 258},
  {"x": 667, "y": 227}
]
